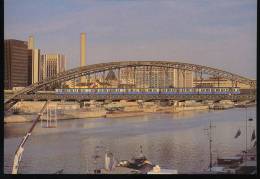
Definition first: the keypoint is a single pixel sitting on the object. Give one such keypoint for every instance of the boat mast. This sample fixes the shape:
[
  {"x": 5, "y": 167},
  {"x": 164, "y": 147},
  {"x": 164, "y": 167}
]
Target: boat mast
[
  {"x": 246, "y": 138},
  {"x": 20, "y": 148},
  {"x": 210, "y": 143}
]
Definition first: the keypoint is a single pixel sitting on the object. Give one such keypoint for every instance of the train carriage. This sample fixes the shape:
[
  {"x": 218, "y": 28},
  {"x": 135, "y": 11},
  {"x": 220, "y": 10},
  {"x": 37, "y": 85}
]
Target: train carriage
[{"x": 171, "y": 91}]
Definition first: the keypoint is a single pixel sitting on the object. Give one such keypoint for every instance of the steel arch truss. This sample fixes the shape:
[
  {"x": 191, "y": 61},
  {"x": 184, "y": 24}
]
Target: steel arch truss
[{"x": 95, "y": 68}]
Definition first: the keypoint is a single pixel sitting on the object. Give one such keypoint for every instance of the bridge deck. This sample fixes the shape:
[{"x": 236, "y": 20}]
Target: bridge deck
[{"x": 79, "y": 97}]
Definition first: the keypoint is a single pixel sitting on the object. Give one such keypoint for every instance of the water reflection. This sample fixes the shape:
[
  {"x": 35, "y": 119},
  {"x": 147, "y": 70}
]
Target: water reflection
[{"x": 171, "y": 140}]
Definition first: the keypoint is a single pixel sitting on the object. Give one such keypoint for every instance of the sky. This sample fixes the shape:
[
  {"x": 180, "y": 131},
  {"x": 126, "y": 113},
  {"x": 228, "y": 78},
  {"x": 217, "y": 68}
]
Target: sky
[{"x": 219, "y": 34}]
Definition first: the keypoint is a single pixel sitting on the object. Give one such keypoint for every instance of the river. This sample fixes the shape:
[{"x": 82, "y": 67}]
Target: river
[{"x": 171, "y": 140}]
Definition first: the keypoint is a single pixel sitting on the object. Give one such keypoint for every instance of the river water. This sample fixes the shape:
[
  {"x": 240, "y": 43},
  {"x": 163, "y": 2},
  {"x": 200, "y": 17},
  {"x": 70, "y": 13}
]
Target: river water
[{"x": 173, "y": 141}]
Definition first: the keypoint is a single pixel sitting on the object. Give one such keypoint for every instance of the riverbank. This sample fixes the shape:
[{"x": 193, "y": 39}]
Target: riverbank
[
  {"x": 65, "y": 111},
  {"x": 84, "y": 114}
]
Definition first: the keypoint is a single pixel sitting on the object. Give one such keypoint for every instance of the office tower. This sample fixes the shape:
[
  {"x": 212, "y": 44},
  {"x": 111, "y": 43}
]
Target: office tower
[
  {"x": 30, "y": 67},
  {"x": 51, "y": 65},
  {"x": 34, "y": 58},
  {"x": 153, "y": 77},
  {"x": 83, "y": 53},
  {"x": 16, "y": 60},
  {"x": 31, "y": 42},
  {"x": 35, "y": 65}
]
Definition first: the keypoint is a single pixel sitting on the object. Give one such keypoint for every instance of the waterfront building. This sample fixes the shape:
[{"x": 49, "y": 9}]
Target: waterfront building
[
  {"x": 157, "y": 77},
  {"x": 16, "y": 64},
  {"x": 70, "y": 83},
  {"x": 218, "y": 82},
  {"x": 126, "y": 76},
  {"x": 183, "y": 78},
  {"x": 51, "y": 65}
]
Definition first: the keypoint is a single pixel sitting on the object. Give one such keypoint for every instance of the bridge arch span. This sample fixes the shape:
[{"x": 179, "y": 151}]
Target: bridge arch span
[{"x": 95, "y": 68}]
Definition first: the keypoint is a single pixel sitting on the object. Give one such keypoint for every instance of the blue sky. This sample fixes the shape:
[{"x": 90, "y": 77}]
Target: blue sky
[{"x": 215, "y": 33}]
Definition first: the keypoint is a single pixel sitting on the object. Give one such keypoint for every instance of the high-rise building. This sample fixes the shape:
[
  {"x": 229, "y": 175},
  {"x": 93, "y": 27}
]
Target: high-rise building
[
  {"x": 82, "y": 53},
  {"x": 16, "y": 60},
  {"x": 183, "y": 78},
  {"x": 157, "y": 77},
  {"x": 34, "y": 59},
  {"x": 35, "y": 65},
  {"x": 31, "y": 42},
  {"x": 30, "y": 67},
  {"x": 153, "y": 77},
  {"x": 51, "y": 65}
]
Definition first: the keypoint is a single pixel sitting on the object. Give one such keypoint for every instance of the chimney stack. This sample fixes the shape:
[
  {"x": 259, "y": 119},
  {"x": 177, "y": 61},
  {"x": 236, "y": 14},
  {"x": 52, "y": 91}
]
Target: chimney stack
[
  {"x": 83, "y": 53},
  {"x": 82, "y": 49}
]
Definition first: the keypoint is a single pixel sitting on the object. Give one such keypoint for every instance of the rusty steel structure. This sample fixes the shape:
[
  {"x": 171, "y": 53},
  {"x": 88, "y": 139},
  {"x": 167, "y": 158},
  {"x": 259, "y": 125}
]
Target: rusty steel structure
[{"x": 102, "y": 67}]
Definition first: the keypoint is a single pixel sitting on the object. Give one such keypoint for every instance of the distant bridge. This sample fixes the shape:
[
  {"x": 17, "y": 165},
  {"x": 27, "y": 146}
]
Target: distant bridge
[{"x": 31, "y": 90}]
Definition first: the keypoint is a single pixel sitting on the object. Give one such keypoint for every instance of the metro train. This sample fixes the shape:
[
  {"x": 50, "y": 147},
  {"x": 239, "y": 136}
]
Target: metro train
[{"x": 173, "y": 91}]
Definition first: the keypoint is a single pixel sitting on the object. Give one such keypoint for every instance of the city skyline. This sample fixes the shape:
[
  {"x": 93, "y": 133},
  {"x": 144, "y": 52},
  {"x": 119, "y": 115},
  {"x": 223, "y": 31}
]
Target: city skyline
[{"x": 217, "y": 34}]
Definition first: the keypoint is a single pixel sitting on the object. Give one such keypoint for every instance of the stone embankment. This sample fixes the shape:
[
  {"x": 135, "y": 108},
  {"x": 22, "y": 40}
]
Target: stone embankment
[{"x": 27, "y": 111}]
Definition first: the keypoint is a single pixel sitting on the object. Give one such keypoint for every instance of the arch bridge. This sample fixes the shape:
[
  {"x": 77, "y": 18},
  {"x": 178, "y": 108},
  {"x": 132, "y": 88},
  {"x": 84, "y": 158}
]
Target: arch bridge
[{"x": 147, "y": 66}]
